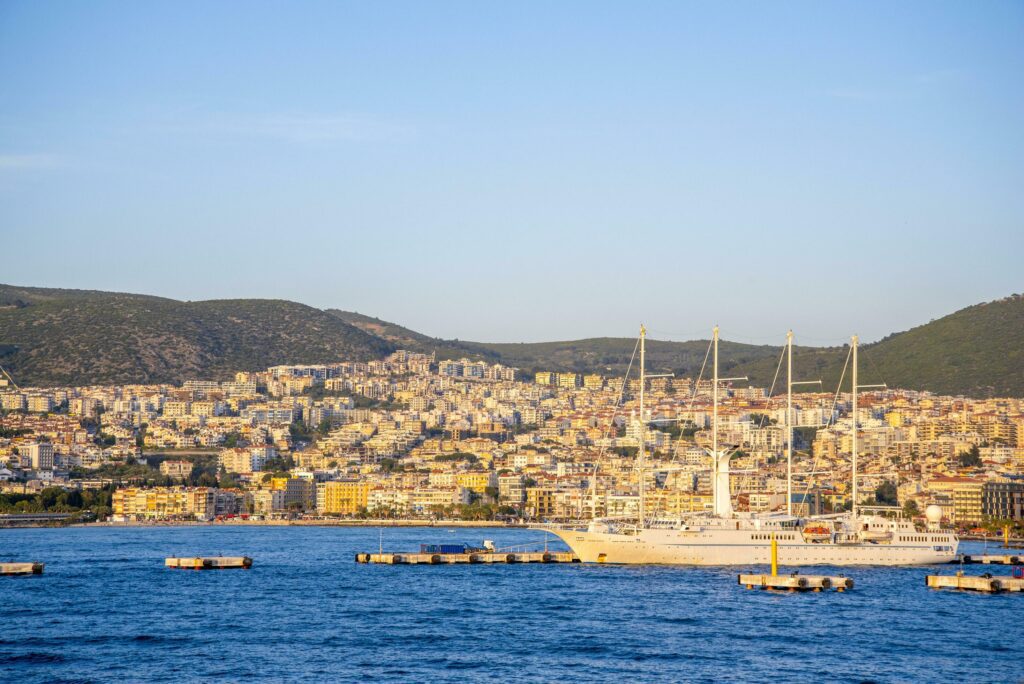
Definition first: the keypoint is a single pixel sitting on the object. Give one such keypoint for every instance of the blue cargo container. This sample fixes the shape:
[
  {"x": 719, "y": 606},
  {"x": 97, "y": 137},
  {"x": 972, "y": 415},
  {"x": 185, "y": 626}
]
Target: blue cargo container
[{"x": 444, "y": 548}]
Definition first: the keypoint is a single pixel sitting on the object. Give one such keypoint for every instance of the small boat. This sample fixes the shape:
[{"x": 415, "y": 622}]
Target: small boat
[{"x": 817, "y": 533}]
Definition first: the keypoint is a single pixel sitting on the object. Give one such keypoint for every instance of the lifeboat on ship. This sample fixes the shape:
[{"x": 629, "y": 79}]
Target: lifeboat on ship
[
  {"x": 876, "y": 535},
  {"x": 817, "y": 533}
]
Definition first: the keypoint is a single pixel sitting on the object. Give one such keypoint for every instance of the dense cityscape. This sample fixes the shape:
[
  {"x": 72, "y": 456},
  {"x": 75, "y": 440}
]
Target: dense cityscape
[
  {"x": 464, "y": 342},
  {"x": 409, "y": 437}
]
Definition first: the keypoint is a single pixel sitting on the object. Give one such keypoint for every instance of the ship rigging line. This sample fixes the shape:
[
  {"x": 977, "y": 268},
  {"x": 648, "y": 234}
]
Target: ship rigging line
[
  {"x": 607, "y": 434},
  {"x": 689, "y": 402},
  {"x": 835, "y": 400},
  {"x": 703, "y": 366},
  {"x": 696, "y": 385},
  {"x": 693, "y": 395},
  {"x": 768, "y": 399},
  {"x": 736, "y": 448},
  {"x": 771, "y": 391},
  {"x": 13, "y": 384}
]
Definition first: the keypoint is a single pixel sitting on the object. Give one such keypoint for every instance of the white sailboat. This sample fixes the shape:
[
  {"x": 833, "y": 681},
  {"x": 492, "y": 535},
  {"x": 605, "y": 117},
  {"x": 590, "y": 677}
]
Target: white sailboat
[{"x": 726, "y": 537}]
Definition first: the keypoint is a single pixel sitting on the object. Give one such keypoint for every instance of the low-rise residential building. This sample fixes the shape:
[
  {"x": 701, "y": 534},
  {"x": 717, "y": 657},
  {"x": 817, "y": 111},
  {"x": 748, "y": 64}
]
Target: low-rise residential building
[
  {"x": 243, "y": 460},
  {"x": 177, "y": 469},
  {"x": 163, "y": 503}
]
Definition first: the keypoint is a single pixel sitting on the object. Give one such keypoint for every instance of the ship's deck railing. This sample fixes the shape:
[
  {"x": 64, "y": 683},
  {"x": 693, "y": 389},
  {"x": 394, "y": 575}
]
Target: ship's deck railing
[{"x": 883, "y": 510}]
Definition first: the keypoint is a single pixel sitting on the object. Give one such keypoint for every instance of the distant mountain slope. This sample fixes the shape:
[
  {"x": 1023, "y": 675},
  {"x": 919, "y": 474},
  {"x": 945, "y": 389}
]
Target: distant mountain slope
[
  {"x": 404, "y": 338},
  {"x": 50, "y": 336},
  {"x": 609, "y": 355},
  {"x": 977, "y": 351},
  {"x": 57, "y": 337}
]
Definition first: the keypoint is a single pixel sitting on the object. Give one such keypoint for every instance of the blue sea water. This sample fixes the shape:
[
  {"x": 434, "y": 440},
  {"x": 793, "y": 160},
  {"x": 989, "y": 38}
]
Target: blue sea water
[{"x": 107, "y": 610}]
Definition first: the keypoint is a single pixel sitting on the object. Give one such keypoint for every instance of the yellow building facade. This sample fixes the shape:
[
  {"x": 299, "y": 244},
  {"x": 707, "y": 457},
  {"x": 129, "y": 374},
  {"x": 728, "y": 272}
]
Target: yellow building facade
[
  {"x": 476, "y": 482},
  {"x": 164, "y": 502},
  {"x": 545, "y": 378},
  {"x": 343, "y": 497}
]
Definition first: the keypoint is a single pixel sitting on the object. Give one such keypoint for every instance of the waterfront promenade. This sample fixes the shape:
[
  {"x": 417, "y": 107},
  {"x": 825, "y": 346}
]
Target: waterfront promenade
[{"x": 344, "y": 522}]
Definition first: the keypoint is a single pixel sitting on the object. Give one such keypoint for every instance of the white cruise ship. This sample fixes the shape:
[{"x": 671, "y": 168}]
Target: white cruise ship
[{"x": 861, "y": 537}]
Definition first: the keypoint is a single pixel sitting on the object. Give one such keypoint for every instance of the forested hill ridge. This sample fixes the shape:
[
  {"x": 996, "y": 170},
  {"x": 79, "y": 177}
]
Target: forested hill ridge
[
  {"x": 404, "y": 338},
  {"x": 977, "y": 351},
  {"x": 77, "y": 337}
]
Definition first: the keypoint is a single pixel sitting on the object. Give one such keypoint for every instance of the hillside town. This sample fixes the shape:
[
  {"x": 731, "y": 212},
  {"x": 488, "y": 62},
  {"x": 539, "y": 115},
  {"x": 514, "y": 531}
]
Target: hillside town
[{"x": 413, "y": 437}]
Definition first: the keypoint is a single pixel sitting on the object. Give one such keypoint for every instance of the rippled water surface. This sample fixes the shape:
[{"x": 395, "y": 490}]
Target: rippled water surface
[{"x": 106, "y": 609}]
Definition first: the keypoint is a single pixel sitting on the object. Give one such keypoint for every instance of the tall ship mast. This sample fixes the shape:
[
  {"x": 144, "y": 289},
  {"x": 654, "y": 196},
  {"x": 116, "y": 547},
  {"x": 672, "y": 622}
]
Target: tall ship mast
[
  {"x": 641, "y": 508},
  {"x": 862, "y": 536}
]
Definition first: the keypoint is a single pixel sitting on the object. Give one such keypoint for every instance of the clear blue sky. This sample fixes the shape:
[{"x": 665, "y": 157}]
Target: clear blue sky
[{"x": 523, "y": 171}]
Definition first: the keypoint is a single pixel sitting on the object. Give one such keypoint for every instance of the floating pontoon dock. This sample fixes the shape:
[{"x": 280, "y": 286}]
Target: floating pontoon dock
[
  {"x": 476, "y": 557},
  {"x": 210, "y": 563},
  {"x": 994, "y": 559},
  {"x": 795, "y": 581},
  {"x": 985, "y": 583},
  {"x": 21, "y": 568}
]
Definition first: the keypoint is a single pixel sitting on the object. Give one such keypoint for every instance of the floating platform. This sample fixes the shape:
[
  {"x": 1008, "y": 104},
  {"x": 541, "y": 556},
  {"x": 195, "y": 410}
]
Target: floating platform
[
  {"x": 796, "y": 582},
  {"x": 21, "y": 568},
  {"x": 994, "y": 559},
  {"x": 984, "y": 583},
  {"x": 474, "y": 557},
  {"x": 210, "y": 563}
]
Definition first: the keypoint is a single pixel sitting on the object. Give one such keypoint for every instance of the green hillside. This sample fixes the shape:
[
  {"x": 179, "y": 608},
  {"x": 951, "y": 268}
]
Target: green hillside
[
  {"x": 611, "y": 355},
  {"x": 977, "y": 351},
  {"x": 608, "y": 355},
  {"x": 404, "y": 338},
  {"x": 69, "y": 337},
  {"x": 53, "y": 337}
]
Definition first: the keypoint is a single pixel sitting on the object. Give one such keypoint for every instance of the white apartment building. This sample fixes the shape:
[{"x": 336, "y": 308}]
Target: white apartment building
[{"x": 39, "y": 455}]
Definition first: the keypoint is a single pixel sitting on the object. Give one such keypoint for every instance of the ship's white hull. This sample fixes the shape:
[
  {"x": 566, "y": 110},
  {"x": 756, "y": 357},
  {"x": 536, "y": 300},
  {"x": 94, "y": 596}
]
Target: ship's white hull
[{"x": 727, "y": 547}]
